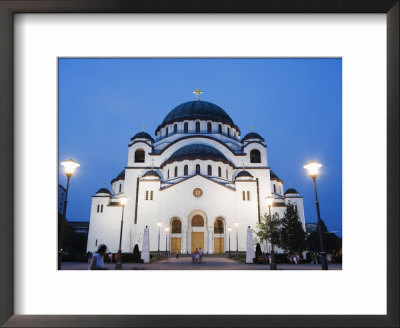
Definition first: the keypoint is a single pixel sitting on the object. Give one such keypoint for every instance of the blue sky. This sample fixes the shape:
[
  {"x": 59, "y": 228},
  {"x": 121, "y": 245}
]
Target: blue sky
[{"x": 295, "y": 104}]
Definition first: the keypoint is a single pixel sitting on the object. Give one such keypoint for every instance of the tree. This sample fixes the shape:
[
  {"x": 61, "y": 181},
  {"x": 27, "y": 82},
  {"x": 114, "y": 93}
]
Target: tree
[
  {"x": 264, "y": 228},
  {"x": 136, "y": 254},
  {"x": 292, "y": 234}
]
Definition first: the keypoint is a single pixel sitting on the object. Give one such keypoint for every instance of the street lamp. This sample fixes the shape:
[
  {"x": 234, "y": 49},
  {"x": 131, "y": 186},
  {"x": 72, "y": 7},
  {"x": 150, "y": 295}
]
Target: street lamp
[
  {"x": 237, "y": 241},
  {"x": 229, "y": 230},
  {"x": 159, "y": 232},
  {"x": 118, "y": 265},
  {"x": 272, "y": 265},
  {"x": 166, "y": 241},
  {"x": 69, "y": 168},
  {"x": 312, "y": 168}
]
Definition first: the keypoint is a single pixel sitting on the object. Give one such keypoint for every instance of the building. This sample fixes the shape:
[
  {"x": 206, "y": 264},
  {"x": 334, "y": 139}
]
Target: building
[
  {"x": 311, "y": 227},
  {"x": 198, "y": 183},
  {"x": 61, "y": 198}
]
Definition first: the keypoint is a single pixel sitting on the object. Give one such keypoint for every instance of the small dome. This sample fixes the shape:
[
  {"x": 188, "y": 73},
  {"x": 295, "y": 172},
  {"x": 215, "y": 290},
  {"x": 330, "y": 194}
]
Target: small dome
[
  {"x": 243, "y": 174},
  {"x": 143, "y": 135},
  {"x": 252, "y": 135},
  {"x": 151, "y": 173},
  {"x": 197, "y": 151},
  {"x": 291, "y": 191},
  {"x": 274, "y": 176},
  {"x": 120, "y": 176},
  {"x": 103, "y": 191}
]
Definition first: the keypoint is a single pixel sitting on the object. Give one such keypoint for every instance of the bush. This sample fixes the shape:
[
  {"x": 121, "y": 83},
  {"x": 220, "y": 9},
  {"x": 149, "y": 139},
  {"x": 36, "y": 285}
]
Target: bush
[
  {"x": 258, "y": 250},
  {"x": 136, "y": 254}
]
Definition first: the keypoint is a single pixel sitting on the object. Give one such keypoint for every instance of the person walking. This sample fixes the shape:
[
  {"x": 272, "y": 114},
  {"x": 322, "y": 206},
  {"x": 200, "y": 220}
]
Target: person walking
[
  {"x": 200, "y": 255},
  {"x": 196, "y": 256},
  {"x": 177, "y": 253},
  {"x": 97, "y": 262}
]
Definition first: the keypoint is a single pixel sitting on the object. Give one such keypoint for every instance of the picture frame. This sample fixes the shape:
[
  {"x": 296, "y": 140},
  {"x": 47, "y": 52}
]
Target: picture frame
[{"x": 7, "y": 198}]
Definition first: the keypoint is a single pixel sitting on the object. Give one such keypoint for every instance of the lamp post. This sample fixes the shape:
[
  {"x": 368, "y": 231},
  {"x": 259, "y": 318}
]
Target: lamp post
[
  {"x": 159, "y": 232},
  {"x": 166, "y": 241},
  {"x": 272, "y": 265},
  {"x": 69, "y": 168},
  {"x": 312, "y": 168},
  {"x": 237, "y": 241},
  {"x": 118, "y": 265},
  {"x": 229, "y": 230}
]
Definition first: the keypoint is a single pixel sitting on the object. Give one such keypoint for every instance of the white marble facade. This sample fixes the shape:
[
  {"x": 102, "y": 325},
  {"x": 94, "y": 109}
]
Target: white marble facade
[{"x": 198, "y": 178}]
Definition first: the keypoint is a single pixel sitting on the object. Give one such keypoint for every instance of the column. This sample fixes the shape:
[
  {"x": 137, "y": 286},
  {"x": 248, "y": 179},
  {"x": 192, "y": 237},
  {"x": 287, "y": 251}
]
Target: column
[
  {"x": 210, "y": 241},
  {"x": 184, "y": 240}
]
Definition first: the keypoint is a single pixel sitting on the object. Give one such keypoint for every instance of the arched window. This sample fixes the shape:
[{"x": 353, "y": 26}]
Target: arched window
[
  {"x": 175, "y": 128},
  {"x": 151, "y": 195},
  {"x": 197, "y": 127},
  {"x": 244, "y": 195},
  {"x": 186, "y": 127},
  {"x": 139, "y": 156},
  {"x": 176, "y": 171},
  {"x": 166, "y": 132},
  {"x": 209, "y": 170},
  {"x": 248, "y": 195},
  {"x": 219, "y": 128},
  {"x": 198, "y": 169},
  {"x": 197, "y": 221},
  {"x": 219, "y": 172},
  {"x": 255, "y": 156},
  {"x": 274, "y": 189},
  {"x": 229, "y": 132},
  {"x": 218, "y": 226},
  {"x": 147, "y": 195},
  {"x": 176, "y": 226},
  {"x": 185, "y": 170},
  {"x": 120, "y": 187},
  {"x": 209, "y": 127},
  {"x": 168, "y": 174},
  {"x": 227, "y": 174}
]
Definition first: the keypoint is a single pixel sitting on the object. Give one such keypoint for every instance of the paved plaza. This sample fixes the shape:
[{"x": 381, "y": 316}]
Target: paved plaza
[{"x": 209, "y": 263}]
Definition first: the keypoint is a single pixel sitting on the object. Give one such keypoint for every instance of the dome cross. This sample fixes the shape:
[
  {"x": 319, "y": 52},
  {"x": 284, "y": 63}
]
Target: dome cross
[
  {"x": 251, "y": 128},
  {"x": 143, "y": 128},
  {"x": 198, "y": 92}
]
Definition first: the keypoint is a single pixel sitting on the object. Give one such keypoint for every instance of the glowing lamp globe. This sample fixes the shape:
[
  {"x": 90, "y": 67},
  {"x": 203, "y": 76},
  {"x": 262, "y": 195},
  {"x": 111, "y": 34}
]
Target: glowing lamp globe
[
  {"x": 123, "y": 200},
  {"x": 312, "y": 168},
  {"x": 269, "y": 201},
  {"x": 70, "y": 166}
]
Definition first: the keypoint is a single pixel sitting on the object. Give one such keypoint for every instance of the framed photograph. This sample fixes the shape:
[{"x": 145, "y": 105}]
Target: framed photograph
[{"x": 329, "y": 73}]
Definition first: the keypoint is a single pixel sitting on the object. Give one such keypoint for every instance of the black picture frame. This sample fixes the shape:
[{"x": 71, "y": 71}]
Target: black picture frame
[{"x": 10, "y": 7}]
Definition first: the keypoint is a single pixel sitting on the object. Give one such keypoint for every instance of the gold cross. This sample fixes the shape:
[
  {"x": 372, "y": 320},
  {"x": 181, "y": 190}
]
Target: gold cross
[
  {"x": 243, "y": 166},
  {"x": 143, "y": 128},
  {"x": 251, "y": 128},
  {"x": 198, "y": 92}
]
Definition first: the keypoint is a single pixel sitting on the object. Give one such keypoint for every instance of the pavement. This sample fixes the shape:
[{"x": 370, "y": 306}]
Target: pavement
[{"x": 209, "y": 263}]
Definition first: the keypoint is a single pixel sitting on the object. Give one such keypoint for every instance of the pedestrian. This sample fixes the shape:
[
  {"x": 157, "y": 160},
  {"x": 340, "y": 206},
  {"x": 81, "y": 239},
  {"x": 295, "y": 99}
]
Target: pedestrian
[
  {"x": 289, "y": 257},
  {"x": 196, "y": 256},
  {"x": 294, "y": 259},
  {"x": 329, "y": 258},
  {"x": 177, "y": 253},
  {"x": 200, "y": 255},
  {"x": 97, "y": 262},
  {"x": 298, "y": 258},
  {"x": 89, "y": 255},
  {"x": 110, "y": 257}
]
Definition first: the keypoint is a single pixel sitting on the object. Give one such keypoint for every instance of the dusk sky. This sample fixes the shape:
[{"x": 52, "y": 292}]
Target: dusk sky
[{"x": 295, "y": 104}]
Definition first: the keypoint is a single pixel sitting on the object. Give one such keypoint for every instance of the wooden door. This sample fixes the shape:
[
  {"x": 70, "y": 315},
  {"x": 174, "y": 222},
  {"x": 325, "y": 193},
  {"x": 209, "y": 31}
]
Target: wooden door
[
  {"x": 197, "y": 240},
  {"x": 219, "y": 246},
  {"x": 175, "y": 245}
]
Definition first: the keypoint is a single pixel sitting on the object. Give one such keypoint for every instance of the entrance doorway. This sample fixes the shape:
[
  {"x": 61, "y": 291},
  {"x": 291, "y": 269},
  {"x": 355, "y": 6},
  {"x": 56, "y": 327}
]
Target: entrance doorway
[
  {"x": 197, "y": 240},
  {"x": 219, "y": 246},
  {"x": 176, "y": 245}
]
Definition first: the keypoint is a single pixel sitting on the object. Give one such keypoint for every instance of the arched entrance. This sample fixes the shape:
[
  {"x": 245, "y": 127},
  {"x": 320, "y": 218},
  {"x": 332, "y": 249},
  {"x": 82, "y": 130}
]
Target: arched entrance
[
  {"x": 219, "y": 240},
  {"x": 197, "y": 234},
  {"x": 176, "y": 235}
]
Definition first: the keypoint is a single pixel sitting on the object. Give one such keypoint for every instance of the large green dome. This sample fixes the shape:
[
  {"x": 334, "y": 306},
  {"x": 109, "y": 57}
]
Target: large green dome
[{"x": 197, "y": 110}]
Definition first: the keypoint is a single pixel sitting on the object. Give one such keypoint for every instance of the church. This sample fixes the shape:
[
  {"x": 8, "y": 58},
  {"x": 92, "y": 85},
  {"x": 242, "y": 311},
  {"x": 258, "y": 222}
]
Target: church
[{"x": 197, "y": 183}]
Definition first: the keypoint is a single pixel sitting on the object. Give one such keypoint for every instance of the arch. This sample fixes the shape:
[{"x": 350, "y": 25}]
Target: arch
[
  {"x": 197, "y": 221},
  {"x": 185, "y": 170},
  {"x": 166, "y": 131},
  {"x": 219, "y": 171},
  {"x": 274, "y": 189},
  {"x": 197, "y": 168},
  {"x": 139, "y": 155},
  {"x": 209, "y": 127},
  {"x": 220, "y": 128},
  {"x": 176, "y": 171},
  {"x": 197, "y": 127},
  {"x": 175, "y": 128},
  {"x": 176, "y": 225},
  {"x": 255, "y": 156},
  {"x": 229, "y": 132},
  {"x": 168, "y": 174},
  {"x": 186, "y": 127},
  {"x": 219, "y": 226},
  {"x": 227, "y": 176},
  {"x": 209, "y": 170}
]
